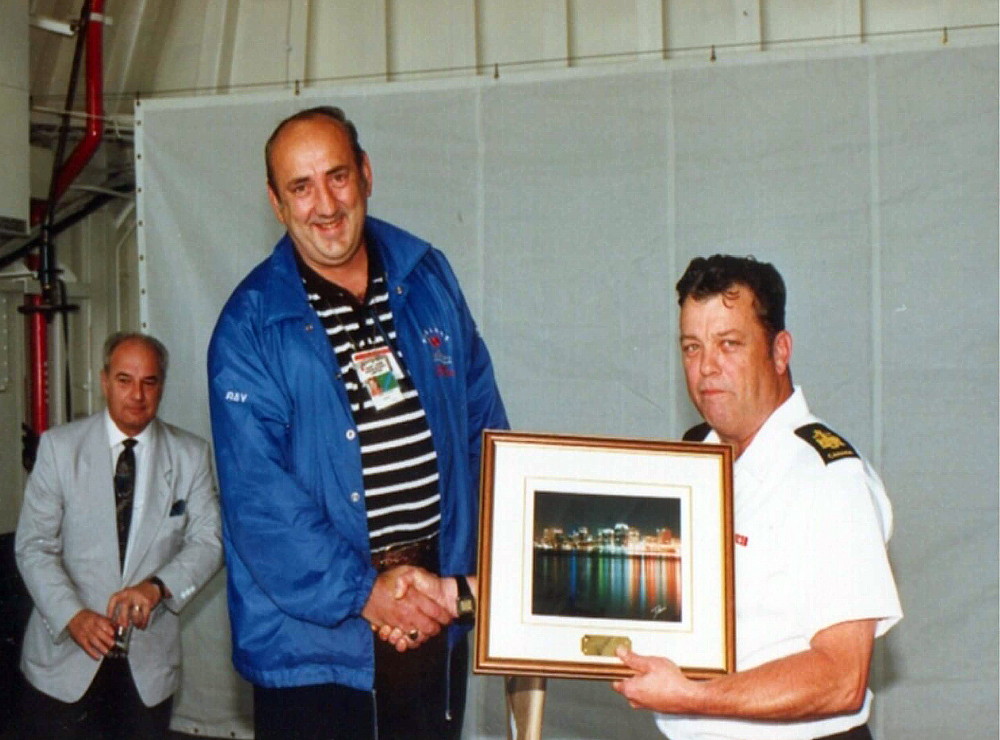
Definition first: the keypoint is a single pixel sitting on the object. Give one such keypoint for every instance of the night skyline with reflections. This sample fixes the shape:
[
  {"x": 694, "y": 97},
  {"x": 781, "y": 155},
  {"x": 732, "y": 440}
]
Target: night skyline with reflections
[
  {"x": 571, "y": 511},
  {"x": 600, "y": 556}
]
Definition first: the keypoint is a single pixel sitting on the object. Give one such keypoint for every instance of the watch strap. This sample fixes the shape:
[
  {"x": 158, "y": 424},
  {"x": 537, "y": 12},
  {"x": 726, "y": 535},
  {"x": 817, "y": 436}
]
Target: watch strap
[
  {"x": 155, "y": 580},
  {"x": 466, "y": 602}
]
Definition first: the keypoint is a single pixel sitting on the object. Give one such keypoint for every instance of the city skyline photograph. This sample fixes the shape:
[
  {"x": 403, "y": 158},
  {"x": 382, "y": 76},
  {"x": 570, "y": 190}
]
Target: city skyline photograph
[
  {"x": 602, "y": 556},
  {"x": 570, "y": 511}
]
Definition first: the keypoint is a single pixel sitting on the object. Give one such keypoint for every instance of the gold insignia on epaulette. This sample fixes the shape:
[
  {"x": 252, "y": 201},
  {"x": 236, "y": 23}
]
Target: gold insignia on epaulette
[
  {"x": 827, "y": 440},
  {"x": 830, "y": 445}
]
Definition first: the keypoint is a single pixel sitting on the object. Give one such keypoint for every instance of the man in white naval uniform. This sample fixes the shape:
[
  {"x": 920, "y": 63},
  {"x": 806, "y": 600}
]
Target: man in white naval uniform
[{"x": 811, "y": 520}]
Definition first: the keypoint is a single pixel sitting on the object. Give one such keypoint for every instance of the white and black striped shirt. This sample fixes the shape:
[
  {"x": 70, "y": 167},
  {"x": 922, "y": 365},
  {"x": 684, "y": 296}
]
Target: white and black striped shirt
[{"x": 399, "y": 465}]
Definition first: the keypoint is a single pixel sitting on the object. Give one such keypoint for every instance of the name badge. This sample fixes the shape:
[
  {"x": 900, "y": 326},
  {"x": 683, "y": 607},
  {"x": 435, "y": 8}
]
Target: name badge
[{"x": 379, "y": 374}]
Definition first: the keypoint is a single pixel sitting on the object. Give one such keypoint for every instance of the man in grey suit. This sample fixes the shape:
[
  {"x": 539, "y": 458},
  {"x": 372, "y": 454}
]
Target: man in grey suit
[{"x": 119, "y": 529}]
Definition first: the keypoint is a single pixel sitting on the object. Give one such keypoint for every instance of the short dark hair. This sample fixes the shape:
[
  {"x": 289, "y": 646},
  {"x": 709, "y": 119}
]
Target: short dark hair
[
  {"x": 721, "y": 274},
  {"x": 330, "y": 112},
  {"x": 120, "y": 337}
]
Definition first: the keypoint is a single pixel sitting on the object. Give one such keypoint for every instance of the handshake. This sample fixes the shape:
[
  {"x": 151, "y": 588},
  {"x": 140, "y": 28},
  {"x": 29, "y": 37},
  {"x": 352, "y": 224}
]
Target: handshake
[{"x": 409, "y": 605}]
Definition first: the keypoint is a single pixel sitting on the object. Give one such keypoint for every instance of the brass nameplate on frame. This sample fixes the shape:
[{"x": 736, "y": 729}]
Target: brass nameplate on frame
[{"x": 603, "y": 645}]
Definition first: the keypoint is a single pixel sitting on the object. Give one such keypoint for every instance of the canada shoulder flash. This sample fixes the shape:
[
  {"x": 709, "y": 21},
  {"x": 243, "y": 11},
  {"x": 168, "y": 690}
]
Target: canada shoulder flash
[{"x": 830, "y": 445}]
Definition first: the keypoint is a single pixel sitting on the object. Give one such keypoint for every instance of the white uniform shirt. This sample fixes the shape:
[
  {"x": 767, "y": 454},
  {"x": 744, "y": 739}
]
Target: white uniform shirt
[{"x": 810, "y": 553}]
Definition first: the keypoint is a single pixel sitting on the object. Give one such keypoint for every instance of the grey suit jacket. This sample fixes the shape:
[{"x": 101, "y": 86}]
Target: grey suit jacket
[{"x": 67, "y": 551}]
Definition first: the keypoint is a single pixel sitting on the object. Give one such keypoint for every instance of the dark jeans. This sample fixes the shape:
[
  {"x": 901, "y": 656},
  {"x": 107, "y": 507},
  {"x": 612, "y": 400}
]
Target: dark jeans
[
  {"x": 326, "y": 711},
  {"x": 110, "y": 710},
  {"x": 415, "y": 698},
  {"x": 420, "y": 695}
]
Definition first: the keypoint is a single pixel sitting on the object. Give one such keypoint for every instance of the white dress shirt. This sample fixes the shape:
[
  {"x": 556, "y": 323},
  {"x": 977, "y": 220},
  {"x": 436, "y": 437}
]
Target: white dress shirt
[{"x": 144, "y": 443}]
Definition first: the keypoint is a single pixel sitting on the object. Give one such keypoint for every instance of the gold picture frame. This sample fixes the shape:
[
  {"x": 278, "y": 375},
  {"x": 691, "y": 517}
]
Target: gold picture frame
[{"x": 587, "y": 543}]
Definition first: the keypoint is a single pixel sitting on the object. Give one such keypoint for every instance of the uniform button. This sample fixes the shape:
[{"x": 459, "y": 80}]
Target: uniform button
[
  {"x": 351, "y": 434},
  {"x": 355, "y": 496}
]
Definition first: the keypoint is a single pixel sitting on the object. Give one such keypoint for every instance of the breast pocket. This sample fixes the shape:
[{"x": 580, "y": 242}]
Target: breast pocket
[{"x": 172, "y": 531}]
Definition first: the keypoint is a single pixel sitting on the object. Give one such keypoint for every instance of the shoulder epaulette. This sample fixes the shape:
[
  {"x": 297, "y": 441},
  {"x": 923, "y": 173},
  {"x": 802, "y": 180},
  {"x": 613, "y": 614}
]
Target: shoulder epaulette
[
  {"x": 697, "y": 433},
  {"x": 830, "y": 445}
]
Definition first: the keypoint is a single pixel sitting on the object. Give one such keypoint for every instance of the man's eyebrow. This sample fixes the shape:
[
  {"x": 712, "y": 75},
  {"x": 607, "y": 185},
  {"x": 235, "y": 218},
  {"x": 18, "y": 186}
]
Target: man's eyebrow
[
  {"x": 723, "y": 333},
  {"x": 306, "y": 178}
]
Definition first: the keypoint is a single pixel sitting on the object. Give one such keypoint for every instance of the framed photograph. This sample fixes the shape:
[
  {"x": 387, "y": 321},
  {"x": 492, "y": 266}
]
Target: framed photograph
[{"x": 588, "y": 543}]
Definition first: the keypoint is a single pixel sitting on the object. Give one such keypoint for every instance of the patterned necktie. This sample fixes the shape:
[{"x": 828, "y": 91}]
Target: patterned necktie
[{"x": 124, "y": 490}]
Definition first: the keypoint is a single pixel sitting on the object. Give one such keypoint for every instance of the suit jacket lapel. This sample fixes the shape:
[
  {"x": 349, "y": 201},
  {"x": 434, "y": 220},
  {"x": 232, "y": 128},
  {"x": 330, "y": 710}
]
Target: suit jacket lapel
[
  {"x": 97, "y": 477},
  {"x": 158, "y": 499}
]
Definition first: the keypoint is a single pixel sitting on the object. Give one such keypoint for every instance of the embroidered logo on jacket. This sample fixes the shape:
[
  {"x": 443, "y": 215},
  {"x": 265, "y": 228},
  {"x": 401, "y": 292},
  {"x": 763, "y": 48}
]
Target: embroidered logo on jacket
[
  {"x": 439, "y": 343},
  {"x": 236, "y": 396},
  {"x": 830, "y": 445}
]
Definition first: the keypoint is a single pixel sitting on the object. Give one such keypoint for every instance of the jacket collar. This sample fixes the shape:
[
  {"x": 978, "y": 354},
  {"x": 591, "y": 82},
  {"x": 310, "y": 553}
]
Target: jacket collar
[
  {"x": 284, "y": 296},
  {"x": 758, "y": 458},
  {"x": 399, "y": 250},
  {"x": 159, "y": 495}
]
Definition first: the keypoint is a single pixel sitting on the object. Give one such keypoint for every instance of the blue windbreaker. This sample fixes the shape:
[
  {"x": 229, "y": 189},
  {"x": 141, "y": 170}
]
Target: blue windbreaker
[{"x": 289, "y": 462}]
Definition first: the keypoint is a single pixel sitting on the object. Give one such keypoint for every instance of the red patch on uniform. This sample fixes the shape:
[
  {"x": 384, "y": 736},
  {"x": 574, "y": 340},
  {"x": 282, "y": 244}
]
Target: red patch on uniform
[{"x": 741, "y": 539}]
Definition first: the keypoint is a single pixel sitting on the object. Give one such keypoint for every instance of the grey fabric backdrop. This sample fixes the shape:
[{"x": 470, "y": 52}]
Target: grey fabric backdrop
[{"x": 569, "y": 203}]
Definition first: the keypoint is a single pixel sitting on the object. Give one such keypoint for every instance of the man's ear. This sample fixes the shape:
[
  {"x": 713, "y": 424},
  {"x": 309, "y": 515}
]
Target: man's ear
[
  {"x": 366, "y": 172},
  {"x": 275, "y": 204},
  {"x": 782, "y": 351}
]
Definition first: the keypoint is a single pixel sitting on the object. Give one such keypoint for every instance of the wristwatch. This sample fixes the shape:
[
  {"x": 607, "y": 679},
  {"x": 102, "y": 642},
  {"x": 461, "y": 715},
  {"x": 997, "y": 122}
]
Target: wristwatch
[
  {"x": 465, "y": 605},
  {"x": 155, "y": 580}
]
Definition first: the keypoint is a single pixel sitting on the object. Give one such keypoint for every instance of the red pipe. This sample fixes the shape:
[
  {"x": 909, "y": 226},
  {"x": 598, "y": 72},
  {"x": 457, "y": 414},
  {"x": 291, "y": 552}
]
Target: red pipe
[
  {"x": 38, "y": 363},
  {"x": 94, "y": 129},
  {"x": 35, "y": 305},
  {"x": 79, "y": 157}
]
